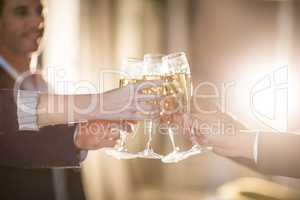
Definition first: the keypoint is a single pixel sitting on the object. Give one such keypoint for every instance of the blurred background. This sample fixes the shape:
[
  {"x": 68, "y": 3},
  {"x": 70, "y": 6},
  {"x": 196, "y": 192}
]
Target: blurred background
[{"x": 236, "y": 42}]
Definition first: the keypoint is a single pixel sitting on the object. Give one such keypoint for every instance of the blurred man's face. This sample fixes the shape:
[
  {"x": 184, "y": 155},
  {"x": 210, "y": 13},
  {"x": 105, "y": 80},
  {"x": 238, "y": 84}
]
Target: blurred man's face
[{"x": 21, "y": 25}]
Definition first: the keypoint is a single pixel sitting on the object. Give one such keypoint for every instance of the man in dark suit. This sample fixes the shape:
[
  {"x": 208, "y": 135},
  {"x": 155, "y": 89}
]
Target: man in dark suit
[
  {"x": 26, "y": 157},
  {"x": 21, "y": 29}
]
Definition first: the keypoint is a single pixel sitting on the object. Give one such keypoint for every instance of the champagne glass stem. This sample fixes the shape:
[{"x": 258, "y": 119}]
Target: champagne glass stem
[
  {"x": 148, "y": 151},
  {"x": 193, "y": 137},
  {"x": 171, "y": 135},
  {"x": 150, "y": 129},
  {"x": 123, "y": 140}
]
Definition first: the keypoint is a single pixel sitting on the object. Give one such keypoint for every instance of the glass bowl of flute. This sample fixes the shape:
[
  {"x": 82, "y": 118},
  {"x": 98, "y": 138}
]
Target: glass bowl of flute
[{"x": 164, "y": 138}]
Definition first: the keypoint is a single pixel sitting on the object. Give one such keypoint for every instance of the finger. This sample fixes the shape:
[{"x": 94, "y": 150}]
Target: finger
[
  {"x": 106, "y": 143},
  {"x": 240, "y": 126},
  {"x": 222, "y": 141},
  {"x": 95, "y": 128},
  {"x": 224, "y": 152},
  {"x": 127, "y": 127},
  {"x": 112, "y": 136}
]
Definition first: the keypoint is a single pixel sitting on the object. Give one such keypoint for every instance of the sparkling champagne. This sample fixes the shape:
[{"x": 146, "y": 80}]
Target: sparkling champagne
[
  {"x": 178, "y": 91},
  {"x": 152, "y": 90},
  {"x": 125, "y": 82}
]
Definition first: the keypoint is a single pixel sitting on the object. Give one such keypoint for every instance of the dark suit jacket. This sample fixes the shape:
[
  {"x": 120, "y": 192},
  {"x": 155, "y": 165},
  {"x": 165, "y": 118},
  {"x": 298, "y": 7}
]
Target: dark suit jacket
[
  {"x": 49, "y": 147},
  {"x": 34, "y": 150}
]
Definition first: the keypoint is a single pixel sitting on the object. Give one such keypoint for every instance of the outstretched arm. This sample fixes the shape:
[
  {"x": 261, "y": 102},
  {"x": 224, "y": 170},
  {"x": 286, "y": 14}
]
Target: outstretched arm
[
  {"x": 269, "y": 153},
  {"x": 120, "y": 104},
  {"x": 50, "y": 146}
]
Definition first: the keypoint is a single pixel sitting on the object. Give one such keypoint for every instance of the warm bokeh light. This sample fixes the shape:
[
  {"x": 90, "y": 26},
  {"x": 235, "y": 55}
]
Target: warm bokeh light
[{"x": 61, "y": 55}]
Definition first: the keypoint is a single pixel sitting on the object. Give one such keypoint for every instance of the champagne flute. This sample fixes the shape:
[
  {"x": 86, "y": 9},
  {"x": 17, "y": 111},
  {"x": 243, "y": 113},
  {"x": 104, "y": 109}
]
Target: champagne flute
[
  {"x": 151, "y": 71},
  {"x": 132, "y": 68},
  {"x": 178, "y": 85}
]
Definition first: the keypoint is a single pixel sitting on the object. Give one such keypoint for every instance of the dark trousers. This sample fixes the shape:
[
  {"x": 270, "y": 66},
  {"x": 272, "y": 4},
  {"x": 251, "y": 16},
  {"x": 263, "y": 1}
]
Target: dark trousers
[{"x": 37, "y": 184}]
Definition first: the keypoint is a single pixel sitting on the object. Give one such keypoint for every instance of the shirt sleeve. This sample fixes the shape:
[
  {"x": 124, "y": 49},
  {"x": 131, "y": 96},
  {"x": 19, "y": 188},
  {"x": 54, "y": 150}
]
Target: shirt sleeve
[
  {"x": 278, "y": 154},
  {"x": 27, "y": 105},
  {"x": 82, "y": 154}
]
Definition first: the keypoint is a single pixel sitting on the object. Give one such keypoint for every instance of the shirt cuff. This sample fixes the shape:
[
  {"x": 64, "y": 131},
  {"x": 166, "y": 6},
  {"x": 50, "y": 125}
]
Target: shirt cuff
[
  {"x": 255, "y": 148},
  {"x": 82, "y": 154},
  {"x": 27, "y": 103}
]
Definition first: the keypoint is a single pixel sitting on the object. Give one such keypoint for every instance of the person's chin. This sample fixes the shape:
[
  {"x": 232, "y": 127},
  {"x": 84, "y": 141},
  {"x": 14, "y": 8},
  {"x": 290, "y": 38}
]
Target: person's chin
[{"x": 32, "y": 47}]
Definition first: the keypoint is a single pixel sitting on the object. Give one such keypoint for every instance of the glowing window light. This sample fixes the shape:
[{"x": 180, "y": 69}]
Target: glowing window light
[{"x": 62, "y": 44}]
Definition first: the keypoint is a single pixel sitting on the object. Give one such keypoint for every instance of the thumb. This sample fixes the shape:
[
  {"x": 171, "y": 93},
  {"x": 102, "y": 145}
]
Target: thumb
[{"x": 225, "y": 152}]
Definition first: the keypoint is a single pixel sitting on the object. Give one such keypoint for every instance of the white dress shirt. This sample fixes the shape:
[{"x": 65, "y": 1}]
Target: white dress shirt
[{"x": 27, "y": 101}]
